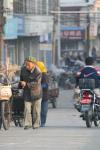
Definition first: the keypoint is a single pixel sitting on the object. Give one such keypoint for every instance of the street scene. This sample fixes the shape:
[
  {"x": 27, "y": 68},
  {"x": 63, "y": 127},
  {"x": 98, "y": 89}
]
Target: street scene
[
  {"x": 49, "y": 74},
  {"x": 64, "y": 130}
]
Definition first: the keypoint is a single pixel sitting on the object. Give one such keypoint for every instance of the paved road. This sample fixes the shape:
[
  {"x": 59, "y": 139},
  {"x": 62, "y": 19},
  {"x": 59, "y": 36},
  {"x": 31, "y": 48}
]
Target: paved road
[{"x": 64, "y": 131}]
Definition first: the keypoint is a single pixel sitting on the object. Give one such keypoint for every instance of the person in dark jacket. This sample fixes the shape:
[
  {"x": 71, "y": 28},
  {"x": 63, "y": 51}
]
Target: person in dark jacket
[
  {"x": 31, "y": 74},
  {"x": 89, "y": 72}
]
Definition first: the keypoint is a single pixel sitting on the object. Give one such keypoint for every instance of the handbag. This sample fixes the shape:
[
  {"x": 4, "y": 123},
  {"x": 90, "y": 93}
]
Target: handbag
[
  {"x": 36, "y": 92},
  {"x": 5, "y": 92}
]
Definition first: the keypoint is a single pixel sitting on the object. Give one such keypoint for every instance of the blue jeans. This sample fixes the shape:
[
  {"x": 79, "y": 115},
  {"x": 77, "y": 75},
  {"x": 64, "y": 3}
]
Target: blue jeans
[{"x": 44, "y": 110}]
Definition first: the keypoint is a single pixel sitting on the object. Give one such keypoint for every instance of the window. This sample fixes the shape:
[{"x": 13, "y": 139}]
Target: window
[
  {"x": 24, "y": 6},
  {"x": 44, "y": 6},
  {"x": 36, "y": 7},
  {"x": 18, "y": 6},
  {"x": 70, "y": 19}
]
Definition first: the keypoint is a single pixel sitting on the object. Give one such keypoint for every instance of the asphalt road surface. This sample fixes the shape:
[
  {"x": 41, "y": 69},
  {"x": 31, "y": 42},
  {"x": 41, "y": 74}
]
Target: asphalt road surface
[{"x": 64, "y": 130}]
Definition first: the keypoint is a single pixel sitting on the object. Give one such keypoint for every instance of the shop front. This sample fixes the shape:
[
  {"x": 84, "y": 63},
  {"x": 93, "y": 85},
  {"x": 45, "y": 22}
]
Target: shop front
[{"x": 72, "y": 41}]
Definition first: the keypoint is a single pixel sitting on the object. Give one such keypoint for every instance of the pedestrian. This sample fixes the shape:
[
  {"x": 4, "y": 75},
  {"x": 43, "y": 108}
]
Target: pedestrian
[
  {"x": 31, "y": 84},
  {"x": 45, "y": 96}
]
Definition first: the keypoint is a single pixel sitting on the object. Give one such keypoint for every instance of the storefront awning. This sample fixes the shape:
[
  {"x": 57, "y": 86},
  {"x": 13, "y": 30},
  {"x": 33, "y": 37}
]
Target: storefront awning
[{"x": 71, "y": 28}]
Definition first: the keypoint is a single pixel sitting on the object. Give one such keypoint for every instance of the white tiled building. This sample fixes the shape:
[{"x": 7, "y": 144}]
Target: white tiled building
[{"x": 34, "y": 20}]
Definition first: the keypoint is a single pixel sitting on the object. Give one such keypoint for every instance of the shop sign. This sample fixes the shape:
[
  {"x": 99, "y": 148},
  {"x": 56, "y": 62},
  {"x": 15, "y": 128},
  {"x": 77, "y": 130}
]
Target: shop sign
[
  {"x": 14, "y": 27},
  {"x": 46, "y": 46},
  {"x": 10, "y": 29},
  {"x": 93, "y": 31},
  {"x": 72, "y": 34},
  {"x": 20, "y": 30}
]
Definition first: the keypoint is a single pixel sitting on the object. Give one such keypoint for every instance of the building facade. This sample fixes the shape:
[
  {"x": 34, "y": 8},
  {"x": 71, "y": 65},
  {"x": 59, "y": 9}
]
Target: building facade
[
  {"x": 75, "y": 27},
  {"x": 28, "y": 21},
  {"x": 96, "y": 22}
]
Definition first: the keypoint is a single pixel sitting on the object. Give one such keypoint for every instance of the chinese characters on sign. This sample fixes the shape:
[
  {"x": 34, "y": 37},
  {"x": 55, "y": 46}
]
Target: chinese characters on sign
[{"x": 73, "y": 34}]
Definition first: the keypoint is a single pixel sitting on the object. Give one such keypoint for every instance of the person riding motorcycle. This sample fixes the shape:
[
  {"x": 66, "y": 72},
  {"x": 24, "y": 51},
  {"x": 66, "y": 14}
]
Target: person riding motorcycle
[{"x": 90, "y": 72}]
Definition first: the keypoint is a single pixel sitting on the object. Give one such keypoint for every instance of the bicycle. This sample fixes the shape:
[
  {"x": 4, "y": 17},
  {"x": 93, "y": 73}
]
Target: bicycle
[{"x": 5, "y": 107}]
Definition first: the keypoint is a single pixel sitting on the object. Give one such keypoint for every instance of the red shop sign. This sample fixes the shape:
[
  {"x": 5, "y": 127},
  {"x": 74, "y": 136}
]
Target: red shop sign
[{"x": 72, "y": 34}]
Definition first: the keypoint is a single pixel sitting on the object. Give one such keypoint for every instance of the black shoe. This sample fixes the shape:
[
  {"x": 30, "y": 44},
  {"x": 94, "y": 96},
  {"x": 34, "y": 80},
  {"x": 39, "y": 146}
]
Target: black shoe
[{"x": 26, "y": 127}]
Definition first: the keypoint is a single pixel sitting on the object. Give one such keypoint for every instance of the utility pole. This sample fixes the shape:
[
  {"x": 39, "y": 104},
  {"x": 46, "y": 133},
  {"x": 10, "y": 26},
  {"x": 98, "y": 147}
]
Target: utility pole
[
  {"x": 88, "y": 36},
  {"x": 1, "y": 28},
  {"x": 54, "y": 39},
  {"x": 88, "y": 33},
  {"x": 59, "y": 37}
]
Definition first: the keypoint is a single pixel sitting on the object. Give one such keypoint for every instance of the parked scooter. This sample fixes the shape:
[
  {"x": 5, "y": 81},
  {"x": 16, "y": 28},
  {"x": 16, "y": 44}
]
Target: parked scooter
[{"x": 89, "y": 105}]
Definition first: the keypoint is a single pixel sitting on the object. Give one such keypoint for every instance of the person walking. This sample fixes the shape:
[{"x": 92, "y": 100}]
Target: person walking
[
  {"x": 45, "y": 93},
  {"x": 31, "y": 84}
]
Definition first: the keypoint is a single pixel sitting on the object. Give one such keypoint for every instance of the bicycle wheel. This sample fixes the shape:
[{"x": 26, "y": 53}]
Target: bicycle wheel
[
  {"x": 21, "y": 122},
  {"x": 0, "y": 117},
  {"x": 0, "y": 123},
  {"x": 6, "y": 114}
]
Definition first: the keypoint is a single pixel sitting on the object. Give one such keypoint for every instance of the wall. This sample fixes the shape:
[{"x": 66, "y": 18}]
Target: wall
[
  {"x": 8, "y": 6},
  {"x": 38, "y": 25}
]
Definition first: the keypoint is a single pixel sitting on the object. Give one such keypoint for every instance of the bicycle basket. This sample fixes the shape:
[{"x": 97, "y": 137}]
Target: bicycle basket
[
  {"x": 86, "y": 83},
  {"x": 5, "y": 92}
]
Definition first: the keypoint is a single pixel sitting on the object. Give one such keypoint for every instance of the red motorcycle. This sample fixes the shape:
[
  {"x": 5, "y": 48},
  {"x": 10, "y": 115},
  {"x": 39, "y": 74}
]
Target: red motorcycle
[{"x": 88, "y": 105}]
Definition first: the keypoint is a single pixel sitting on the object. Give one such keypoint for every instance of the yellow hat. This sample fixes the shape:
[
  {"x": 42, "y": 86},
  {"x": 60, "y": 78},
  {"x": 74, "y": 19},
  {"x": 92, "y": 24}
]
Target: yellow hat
[{"x": 41, "y": 65}]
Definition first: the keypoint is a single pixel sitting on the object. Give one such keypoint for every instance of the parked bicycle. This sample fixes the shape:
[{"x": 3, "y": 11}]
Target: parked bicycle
[{"x": 5, "y": 103}]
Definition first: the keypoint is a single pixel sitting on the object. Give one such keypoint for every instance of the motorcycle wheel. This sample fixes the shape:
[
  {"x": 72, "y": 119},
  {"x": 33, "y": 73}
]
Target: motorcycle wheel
[
  {"x": 96, "y": 119},
  {"x": 0, "y": 122},
  {"x": 0, "y": 117},
  {"x": 88, "y": 118},
  {"x": 96, "y": 123}
]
